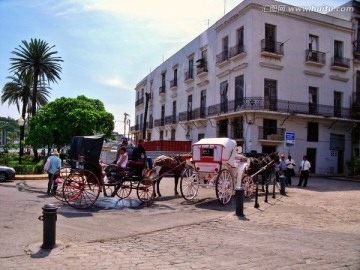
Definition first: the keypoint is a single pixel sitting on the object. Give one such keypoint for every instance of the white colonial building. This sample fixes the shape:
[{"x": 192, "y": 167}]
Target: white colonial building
[{"x": 263, "y": 71}]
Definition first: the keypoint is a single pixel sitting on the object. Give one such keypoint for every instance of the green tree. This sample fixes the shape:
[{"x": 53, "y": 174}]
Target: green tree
[
  {"x": 58, "y": 121},
  {"x": 20, "y": 92},
  {"x": 36, "y": 58}
]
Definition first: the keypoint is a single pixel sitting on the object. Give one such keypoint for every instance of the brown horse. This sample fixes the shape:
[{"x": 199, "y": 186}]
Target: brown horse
[{"x": 164, "y": 165}]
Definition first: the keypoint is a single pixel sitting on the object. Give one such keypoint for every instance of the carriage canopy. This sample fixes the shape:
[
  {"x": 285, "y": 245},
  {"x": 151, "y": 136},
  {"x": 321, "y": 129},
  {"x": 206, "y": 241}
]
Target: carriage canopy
[
  {"x": 214, "y": 150},
  {"x": 86, "y": 146}
]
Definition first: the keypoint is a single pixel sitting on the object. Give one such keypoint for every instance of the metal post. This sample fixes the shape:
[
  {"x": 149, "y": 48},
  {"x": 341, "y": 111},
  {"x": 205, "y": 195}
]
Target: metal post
[
  {"x": 274, "y": 184},
  {"x": 49, "y": 218},
  {"x": 266, "y": 192},
  {"x": 239, "y": 193},
  {"x": 282, "y": 184},
  {"x": 257, "y": 195}
]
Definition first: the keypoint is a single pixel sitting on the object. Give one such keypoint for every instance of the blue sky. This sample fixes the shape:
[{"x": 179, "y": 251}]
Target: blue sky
[{"x": 108, "y": 46}]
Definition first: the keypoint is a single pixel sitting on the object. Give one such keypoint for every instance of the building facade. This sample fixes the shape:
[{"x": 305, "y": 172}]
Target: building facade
[{"x": 263, "y": 71}]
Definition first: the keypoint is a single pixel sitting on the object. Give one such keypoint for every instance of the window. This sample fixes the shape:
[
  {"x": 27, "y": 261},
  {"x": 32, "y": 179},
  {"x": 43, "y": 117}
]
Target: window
[
  {"x": 240, "y": 40},
  {"x": 175, "y": 77},
  {"x": 225, "y": 47},
  {"x": 162, "y": 115},
  {"x": 313, "y": 100},
  {"x": 174, "y": 120},
  {"x": 270, "y": 38},
  {"x": 337, "y": 103},
  {"x": 338, "y": 51},
  {"x": 270, "y": 94},
  {"x": 161, "y": 135},
  {"x": 237, "y": 128},
  {"x": 189, "y": 108},
  {"x": 357, "y": 91},
  {"x": 313, "y": 53},
  {"x": 163, "y": 81},
  {"x": 223, "y": 97},
  {"x": 269, "y": 127},
  {"x": 191, "y": 68},
  {"x": 223, "y": 128},
  {"x": 172, "y": 136},
  {"x": 313, "y": 132},
  {"x": 239, "y": 92},
  {"x": 203, "y": 104}
]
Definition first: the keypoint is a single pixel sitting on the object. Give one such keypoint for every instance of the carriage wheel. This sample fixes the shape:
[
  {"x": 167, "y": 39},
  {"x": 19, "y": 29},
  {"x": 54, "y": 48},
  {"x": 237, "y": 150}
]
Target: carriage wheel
[
  {"x": 81, "y": 189},
  {"x": 247, "y": 183},
  {"x": 145, "y": 189},
  {"x": 124, "y": 190},
  {"x": 224, "y": 187},
  {"x": 189, "y": 184},
  {"x": 59, "y": 178}
]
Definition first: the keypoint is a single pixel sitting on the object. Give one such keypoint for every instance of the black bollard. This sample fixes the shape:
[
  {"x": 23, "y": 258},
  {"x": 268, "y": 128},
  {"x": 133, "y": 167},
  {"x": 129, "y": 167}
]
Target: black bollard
[
  {"x": 257, "y": 195},
  {"x": 274, "y": 184},
  {"x": 239, "y": 193},
  {"x": 282, "y": 184},
  {"x": 266, "y": 192},
  {"x": 49, "y": 218}
]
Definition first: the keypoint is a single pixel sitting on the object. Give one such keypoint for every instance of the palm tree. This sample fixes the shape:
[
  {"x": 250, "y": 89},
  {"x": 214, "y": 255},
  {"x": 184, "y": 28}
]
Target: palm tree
[
  {"x": 37, "y": 59},
  {"x": 20, "y": 90}
]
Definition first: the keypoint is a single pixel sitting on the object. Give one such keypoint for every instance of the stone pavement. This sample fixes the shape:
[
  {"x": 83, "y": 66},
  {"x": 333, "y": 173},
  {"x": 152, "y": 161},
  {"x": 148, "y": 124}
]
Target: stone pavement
[{"x": 311, "y": 228}]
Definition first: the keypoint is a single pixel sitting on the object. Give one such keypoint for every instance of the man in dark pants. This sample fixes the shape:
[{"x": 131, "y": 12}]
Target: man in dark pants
[
  {"x": 139, "y": 153},
  {"x": 304, "y": 171}
]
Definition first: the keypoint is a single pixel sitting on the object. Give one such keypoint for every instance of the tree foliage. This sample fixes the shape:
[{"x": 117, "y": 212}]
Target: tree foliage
[{"x": 58, "y": 121}]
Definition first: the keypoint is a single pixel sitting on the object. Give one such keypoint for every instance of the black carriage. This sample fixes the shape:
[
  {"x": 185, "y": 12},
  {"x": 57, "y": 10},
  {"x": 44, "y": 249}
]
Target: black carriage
[{"x": 81, "y": 182}]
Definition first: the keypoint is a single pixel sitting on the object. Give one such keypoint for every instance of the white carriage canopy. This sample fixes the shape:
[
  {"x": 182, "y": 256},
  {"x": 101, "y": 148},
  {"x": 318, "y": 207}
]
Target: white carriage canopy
[{"x": 217, "y": 148}]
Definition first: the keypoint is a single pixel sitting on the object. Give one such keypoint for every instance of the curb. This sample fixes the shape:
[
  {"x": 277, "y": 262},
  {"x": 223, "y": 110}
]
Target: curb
[{"x": 31, "y": 177}]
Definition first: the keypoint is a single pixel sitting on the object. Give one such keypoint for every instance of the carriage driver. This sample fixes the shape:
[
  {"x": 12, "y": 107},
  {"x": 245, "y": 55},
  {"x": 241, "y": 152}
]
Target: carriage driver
[{"x": 139, "y": 153}]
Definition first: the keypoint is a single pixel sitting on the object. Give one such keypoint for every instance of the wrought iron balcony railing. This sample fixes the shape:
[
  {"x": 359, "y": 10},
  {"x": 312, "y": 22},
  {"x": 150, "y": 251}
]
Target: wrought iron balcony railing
[
  {"x": 173, "y": 83},
  {"x": 272, "y": 47},
  {"x": 222, "y": 57},
  {"x": 162, "y": 89},
  {"x": 139, "y": 101},
  {"x": 340, "y": 62},
  {"x": 236, "y": 50},
  {"x": 171, "y": 119},
  {"x": 315, "y": 56},
  {"x": 159, "y": 122},
  {"x": 189, "y": 74}
]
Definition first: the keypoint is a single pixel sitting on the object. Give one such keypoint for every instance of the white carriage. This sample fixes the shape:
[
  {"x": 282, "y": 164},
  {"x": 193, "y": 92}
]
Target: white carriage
[{"x": 218, "y": 163}]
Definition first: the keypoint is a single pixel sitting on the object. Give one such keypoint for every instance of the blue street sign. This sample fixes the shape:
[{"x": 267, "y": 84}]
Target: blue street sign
[{"x": 289, "y": 139}]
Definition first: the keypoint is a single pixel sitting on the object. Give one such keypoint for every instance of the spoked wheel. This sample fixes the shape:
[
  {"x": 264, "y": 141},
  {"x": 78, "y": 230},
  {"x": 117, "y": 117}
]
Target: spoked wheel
[
  {"x": 247, "y": 183},
  {"x": 59, "y": 178},
  {"x": 224, "y": 187},
  {"x": 124, "y": 190},
  {"x": 81, "y": 189},
  {"x": 145, "y": 189},
  {"x": 189, "y": 184}
]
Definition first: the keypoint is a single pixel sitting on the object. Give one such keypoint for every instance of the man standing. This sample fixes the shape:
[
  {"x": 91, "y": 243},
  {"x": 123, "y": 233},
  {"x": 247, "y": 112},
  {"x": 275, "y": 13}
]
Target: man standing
[
  {"x": 304, "y": 171},
  {"x": 290, "y": 164},
  {"x": 55, "y": 163}
]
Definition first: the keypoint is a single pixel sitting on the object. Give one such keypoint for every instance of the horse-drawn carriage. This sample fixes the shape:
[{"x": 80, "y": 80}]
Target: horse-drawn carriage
[
  {"x": 80, "y": 183},
  {"x": 218, "y": 163}
]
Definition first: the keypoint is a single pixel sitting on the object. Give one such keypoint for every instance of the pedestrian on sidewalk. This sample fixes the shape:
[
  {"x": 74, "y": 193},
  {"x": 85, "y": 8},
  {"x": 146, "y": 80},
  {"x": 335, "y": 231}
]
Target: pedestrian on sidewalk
[
  {"x": 290, "y": 169},
  {"x": 55, "y": 163},
  {"x": 304, "y": 171}
]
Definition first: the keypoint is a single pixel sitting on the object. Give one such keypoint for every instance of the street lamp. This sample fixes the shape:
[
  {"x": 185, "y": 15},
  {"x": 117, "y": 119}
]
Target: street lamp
[{"x": 21, "y": 123}]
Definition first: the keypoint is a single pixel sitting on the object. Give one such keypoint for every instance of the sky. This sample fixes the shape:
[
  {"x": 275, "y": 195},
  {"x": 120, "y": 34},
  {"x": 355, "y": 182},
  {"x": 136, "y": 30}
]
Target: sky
[{"x": 108, "y": 46}]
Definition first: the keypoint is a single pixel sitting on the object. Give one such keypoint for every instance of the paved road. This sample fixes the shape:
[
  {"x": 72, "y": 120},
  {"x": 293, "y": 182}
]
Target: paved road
[{"x": 313, "y": 228}]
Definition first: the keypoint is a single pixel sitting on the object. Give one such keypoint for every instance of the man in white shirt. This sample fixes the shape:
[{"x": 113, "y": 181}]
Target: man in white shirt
[{"x": 304, "y": 171}]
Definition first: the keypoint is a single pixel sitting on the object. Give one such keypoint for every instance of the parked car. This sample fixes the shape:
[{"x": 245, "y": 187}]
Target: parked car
[{"x": 6, "y": 173}]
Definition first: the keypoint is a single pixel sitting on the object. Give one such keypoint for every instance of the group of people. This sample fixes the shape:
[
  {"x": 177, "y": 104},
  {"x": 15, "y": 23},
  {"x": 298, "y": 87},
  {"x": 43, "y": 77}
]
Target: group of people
[{"x": 287, "y": 168}]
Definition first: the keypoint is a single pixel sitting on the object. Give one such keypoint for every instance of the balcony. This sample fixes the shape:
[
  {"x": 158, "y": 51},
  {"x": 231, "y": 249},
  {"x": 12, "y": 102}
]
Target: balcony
[
  {"x": 189, "y": 75},
  {"x": 139, "y": 101},
  {"x": 162, "y": 90},
  {"x": 356, "y": 48},
  {"x": 222, "y": 58},
  {"x": 277, "y": 105},
  {"x": 237, "y": 51},
  {"x": 159, "y": 122},
  {"x": 272, "y": 49},
  {"x": 173, "y": 84},
  {"x": 315, "y": 57},
  {"x": 171, "y": 120},
  {"x": 340, "y": 63}
]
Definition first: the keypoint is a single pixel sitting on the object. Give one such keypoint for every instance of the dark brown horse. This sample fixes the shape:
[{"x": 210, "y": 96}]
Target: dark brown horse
[{"x": 166, "y": 165}]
